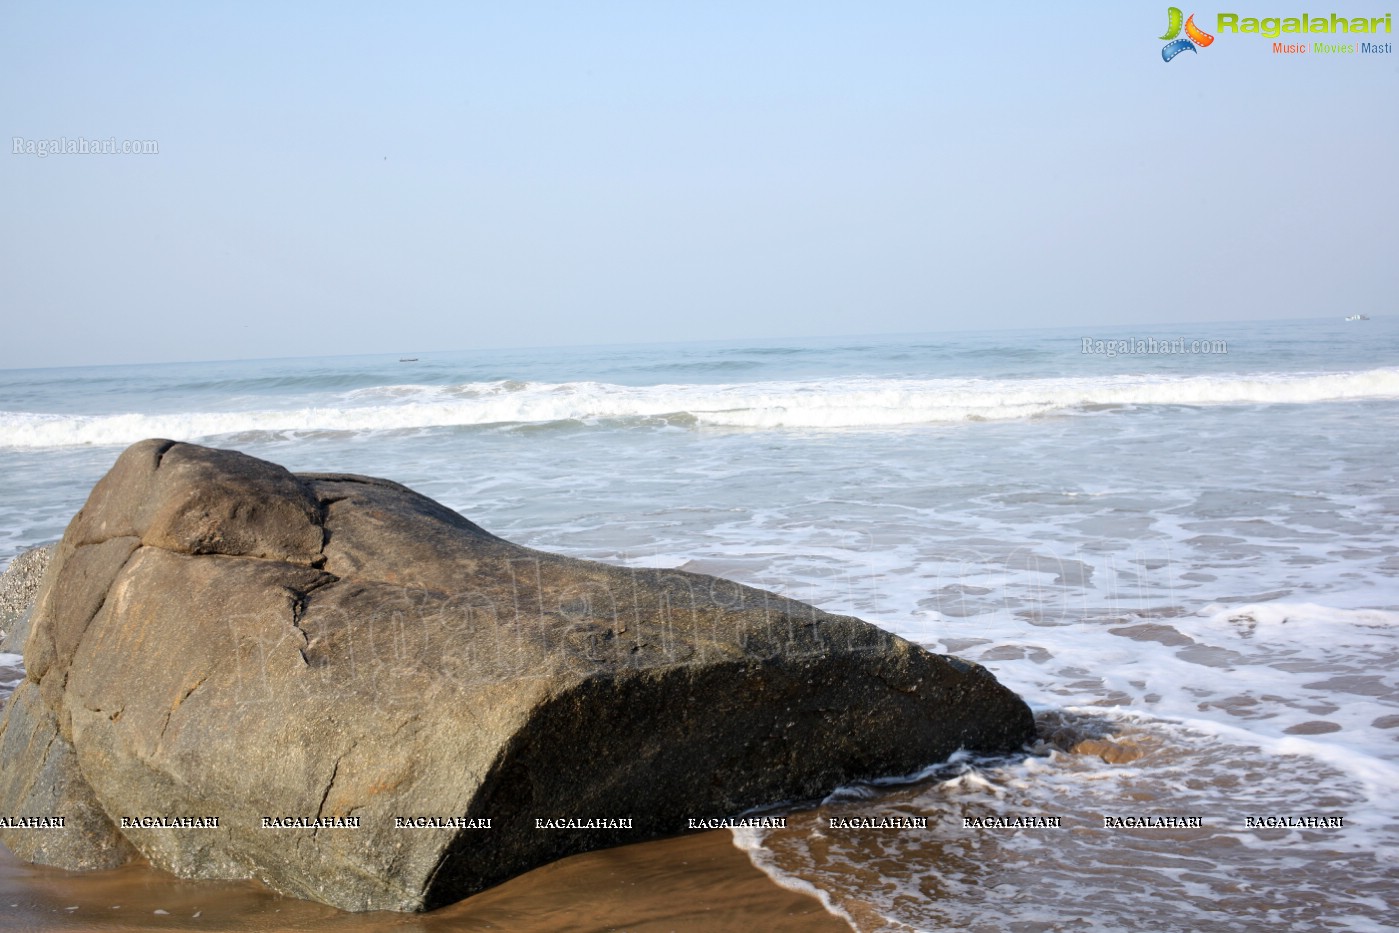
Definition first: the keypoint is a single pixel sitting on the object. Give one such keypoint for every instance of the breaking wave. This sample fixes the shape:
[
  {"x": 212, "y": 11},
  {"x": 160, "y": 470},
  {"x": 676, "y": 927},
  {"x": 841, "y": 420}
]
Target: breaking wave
[{"x": 847, "y": 403}]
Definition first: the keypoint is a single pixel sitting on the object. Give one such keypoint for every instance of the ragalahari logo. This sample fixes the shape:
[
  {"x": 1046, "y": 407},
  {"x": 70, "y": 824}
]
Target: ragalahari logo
[{"x": 1195, "y": 36}]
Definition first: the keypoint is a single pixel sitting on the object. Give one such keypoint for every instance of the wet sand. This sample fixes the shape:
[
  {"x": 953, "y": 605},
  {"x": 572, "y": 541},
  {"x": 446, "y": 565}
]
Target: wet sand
[{"x": 695, "y": 882}]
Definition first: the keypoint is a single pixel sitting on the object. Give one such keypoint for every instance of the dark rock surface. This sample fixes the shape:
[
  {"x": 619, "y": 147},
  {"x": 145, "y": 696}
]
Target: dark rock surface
[{"x": 219, "y": 638}]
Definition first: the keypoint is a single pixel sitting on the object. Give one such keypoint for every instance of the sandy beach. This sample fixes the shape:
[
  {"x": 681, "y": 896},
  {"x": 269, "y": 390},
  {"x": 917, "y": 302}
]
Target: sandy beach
[{"x": 695, "y": 882}]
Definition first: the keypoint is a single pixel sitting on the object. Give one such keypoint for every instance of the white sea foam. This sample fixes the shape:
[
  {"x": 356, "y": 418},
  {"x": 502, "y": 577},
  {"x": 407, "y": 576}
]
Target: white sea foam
[
  {"x": 1304, "y": 625},
  {"x": 749, "y": 841},
  {"x": 1289, "y": 678},
  {"x": 839, "y": 403}
]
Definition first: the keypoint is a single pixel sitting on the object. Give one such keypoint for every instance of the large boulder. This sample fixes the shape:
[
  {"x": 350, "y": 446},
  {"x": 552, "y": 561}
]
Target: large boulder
[{"x": 324, "y": 661}]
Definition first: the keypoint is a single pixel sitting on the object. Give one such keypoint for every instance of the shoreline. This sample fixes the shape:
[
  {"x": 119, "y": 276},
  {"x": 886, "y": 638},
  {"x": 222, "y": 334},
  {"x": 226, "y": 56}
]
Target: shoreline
[{"x": 700, "y": 881}]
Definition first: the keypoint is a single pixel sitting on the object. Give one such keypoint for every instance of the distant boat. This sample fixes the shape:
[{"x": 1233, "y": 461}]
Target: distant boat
[
  {"x": 408, "y": 359},
  {"x": 1358, "y": 317}
]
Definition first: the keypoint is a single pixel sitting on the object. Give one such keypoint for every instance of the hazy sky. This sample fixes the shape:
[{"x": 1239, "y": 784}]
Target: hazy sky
[{"x": 343, "y": 178}]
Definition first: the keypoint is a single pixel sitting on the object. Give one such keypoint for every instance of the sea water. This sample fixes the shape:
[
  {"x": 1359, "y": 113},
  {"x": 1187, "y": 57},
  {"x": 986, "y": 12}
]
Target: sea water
[{"x": 1177, "y": 543}]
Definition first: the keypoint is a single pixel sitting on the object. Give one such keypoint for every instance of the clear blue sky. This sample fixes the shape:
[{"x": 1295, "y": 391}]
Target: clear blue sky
[{"x": 345, "y": 178}]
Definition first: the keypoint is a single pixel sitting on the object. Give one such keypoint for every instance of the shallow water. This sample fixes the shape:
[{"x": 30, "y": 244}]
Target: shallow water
[{"x": 1211, "y": 870}]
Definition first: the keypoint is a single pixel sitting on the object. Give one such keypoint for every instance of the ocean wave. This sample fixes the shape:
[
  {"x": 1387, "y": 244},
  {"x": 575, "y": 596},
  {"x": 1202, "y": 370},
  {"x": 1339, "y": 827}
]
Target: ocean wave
[{"x": 848, "y": 403}]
